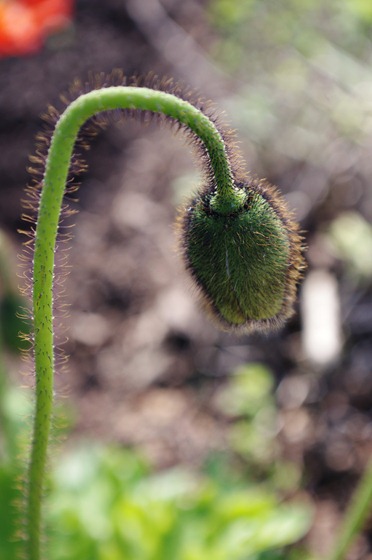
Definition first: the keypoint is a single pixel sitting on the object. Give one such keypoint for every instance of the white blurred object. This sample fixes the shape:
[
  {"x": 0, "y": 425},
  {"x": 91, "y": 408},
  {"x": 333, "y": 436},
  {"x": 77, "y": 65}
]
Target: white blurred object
[{"x": 321, "y": 334}]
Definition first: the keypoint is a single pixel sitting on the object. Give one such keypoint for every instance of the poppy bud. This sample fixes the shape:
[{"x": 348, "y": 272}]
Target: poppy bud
[{"x": 246, "y": 264}]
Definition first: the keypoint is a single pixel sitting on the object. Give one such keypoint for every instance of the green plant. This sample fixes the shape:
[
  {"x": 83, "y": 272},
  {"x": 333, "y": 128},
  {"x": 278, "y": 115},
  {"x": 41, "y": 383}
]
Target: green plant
[
  {"x": 218, "y": 218},
  {"x": 249, "y": 401},
  {"x": 14, "y": 406},
  {"x": 174, "y": 514},
  {"x": 238, "y": 240}
]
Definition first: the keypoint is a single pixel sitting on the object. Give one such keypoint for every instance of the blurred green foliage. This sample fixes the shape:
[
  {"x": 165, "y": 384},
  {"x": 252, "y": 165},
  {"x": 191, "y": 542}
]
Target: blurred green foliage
[
  {"x": 13, "y": 312},
  {"x": 14, "y": 406},
  {"x": 12, "y": 322},
  {"x": 249, "y": 400},
  {"x": 105, "y": 503},
  {"x": 351, "y": 238},
  {"x": 14, "y": 412}
]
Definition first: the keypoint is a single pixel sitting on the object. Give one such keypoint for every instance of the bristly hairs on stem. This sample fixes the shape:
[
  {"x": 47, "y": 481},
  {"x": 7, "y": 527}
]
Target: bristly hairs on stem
[{"x": 237, "y": 238}]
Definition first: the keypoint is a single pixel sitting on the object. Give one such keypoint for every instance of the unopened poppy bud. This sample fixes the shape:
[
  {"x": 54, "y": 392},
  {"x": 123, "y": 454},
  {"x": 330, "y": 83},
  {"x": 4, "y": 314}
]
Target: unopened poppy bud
[{"x": 246, "y": 264}]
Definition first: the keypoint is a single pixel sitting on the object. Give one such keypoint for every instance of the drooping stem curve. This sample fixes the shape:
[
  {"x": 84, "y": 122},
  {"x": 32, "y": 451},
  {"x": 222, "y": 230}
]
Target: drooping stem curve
[{"x": 56, "y": 172}]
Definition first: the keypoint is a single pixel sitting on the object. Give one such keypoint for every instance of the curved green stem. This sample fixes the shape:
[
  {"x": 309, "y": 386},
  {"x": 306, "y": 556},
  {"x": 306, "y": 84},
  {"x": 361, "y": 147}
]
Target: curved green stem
[
  {"x": 356, "y": 516},
  {"x": 56, "y": 172}
]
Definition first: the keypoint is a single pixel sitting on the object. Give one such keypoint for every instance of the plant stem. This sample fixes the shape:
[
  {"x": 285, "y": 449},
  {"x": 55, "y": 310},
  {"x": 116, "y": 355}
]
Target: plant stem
[
  {"x": 356, "y": 515},
  {"x": 56, "y": 172}
]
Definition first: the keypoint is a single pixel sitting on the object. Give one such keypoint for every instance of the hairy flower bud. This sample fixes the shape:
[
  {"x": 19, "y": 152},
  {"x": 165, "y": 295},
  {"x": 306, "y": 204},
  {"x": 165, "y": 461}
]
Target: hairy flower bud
[{"x": 246, "y": 264}]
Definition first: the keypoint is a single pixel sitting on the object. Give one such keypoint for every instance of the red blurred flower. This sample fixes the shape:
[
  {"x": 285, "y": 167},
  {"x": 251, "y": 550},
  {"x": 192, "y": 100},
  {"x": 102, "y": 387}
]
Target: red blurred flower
[{"x": 25, "y": 23}]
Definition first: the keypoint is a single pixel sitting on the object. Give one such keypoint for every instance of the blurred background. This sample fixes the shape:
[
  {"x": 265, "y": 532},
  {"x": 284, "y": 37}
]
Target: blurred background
[{"x": 180, "y": 441}]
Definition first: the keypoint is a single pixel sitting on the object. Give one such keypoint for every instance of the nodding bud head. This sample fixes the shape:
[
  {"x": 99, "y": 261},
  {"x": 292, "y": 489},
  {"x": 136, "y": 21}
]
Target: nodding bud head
[{"x": 246, "y": 263}]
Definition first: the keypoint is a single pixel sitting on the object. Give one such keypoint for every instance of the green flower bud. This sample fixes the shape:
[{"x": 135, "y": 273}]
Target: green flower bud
[{"x": 246, "y": 264}]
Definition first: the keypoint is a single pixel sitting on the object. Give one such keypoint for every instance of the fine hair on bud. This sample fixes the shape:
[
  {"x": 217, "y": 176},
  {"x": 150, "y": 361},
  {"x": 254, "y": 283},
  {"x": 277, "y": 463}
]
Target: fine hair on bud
[{"x": 245, "y": 264}]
